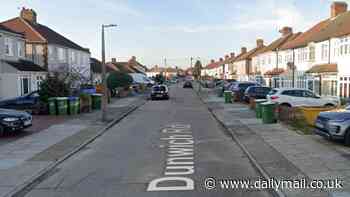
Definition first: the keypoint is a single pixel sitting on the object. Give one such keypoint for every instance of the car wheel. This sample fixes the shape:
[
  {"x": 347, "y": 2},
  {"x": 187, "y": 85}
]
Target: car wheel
[
  {"x": 347, "y": 137},
  {"x": 285, "y": 105},
  {"x": 2, "y": 131},
  {"x": 329, "y": 105}
]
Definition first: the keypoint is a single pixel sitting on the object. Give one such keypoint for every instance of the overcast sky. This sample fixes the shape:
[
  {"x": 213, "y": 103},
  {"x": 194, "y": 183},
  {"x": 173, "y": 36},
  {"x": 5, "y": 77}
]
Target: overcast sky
[{"x": 174, "y": 29}]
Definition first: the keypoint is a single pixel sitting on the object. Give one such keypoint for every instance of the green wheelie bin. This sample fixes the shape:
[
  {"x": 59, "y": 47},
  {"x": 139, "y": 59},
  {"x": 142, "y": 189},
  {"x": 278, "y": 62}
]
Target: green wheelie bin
[
  {"x": 96, "y": 101},
  {"x": 268, "y": 112},
  {"x": 52, "y": 106},
  {"x": 258, "y": 111},
  {"x": 62, "y": 105},
  {"x": 228, "y": 96},
  {"x": 73, "y": 105}
]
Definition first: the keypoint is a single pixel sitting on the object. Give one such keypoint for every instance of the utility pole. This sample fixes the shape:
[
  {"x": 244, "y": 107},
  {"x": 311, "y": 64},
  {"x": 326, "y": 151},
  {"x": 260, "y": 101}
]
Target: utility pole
[
  {"x": 191, "y": 62},
  {"x": 104, "y": 80}
]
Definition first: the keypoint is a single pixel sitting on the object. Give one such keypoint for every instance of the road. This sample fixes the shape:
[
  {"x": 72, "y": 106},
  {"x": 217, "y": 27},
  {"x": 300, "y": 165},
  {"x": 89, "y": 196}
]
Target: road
[{"x": 165, "y": 148}]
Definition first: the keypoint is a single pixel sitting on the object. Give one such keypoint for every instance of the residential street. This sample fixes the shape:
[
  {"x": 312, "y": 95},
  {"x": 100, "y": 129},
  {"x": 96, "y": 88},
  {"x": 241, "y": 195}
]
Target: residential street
[{"x": 131, "y": 154}]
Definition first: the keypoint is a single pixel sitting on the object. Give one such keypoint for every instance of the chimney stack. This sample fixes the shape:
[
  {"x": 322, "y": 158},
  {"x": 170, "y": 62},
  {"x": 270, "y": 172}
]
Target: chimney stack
[
  {"x": 259, "y": 43},
  {"x": 338, "y": 7},
  {"x": 286, "y": 31},
  {"x": 243, "y": 49},
  {"x": 232, "y": 55},
  {"x": 29, "y": 15},
  {"x": 114, "y": 60}
]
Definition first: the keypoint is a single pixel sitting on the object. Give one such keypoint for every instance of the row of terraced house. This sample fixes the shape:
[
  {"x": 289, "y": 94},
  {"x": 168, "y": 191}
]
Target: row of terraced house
[
  {"x": 317, "y": 59},
  {"x": 30, "y": 50}
]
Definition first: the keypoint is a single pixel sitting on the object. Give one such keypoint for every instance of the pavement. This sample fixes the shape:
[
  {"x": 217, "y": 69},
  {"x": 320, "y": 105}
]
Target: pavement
[
  {"x": 164, "y": 148},
  {"x": 284, "y": 153},
  {"x": 23, "y": 158}
]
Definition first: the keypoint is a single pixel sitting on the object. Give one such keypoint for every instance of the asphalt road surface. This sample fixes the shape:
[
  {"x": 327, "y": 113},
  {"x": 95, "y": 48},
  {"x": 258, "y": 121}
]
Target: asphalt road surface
[{"x": 165, "y": 148}]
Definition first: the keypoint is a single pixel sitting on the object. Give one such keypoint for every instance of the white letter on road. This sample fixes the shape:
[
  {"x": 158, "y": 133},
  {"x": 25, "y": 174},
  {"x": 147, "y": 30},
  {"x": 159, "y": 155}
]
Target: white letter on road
[{"x": 153, "y": 185}]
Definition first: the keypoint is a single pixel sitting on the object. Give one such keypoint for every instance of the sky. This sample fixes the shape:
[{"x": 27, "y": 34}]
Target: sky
[{"x": 175, "y": 30}]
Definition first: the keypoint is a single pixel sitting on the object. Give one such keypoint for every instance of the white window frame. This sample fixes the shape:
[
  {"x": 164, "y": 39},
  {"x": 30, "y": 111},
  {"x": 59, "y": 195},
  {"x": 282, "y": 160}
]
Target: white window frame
[
  {"x": 324, "y": 51},
  {"x": 51, "y": 52},
  {"x": 61, "y": 55},
  {"x": 20, "y": 49},
  {"x": 22, "y": 84},
  {"x": 8, "y": 46}
]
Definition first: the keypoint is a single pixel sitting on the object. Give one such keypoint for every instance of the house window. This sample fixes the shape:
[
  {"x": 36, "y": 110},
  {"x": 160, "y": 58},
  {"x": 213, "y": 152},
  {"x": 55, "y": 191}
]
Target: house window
[
  {"x": 72, "y": 56},
  {"x": 20, "y": 49},
  {"x": 61, "y": 55},
  {"x": 51, "y": 50},
  {"x": 312, "y": 53},
  {"x": 343, "y": 47},
  {"x": 8, "y": 47},
  {"x": 25, "y": 85},
  {"x": 324, "y": 51},
  {"x": 280, "y": 59}
]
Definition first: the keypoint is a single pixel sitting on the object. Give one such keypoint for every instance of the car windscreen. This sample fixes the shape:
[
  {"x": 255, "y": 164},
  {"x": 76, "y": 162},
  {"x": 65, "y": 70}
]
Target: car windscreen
[
  {"x": 272, "y": 92},
  {"x": 159, "y": 88},
  {"x": 244, "y": 86}
]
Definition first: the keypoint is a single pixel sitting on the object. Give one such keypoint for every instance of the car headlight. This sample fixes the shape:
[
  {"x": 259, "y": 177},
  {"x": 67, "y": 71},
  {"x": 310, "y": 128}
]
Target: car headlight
[{"x": 10, "y": 119}]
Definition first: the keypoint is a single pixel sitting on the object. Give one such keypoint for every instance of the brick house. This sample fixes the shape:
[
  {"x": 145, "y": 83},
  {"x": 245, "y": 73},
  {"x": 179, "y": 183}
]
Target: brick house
[
  {"x": 49, "y": 49},
  {"x": 268, "y": 62},
  {"x": 321, "y": 55},
  {"x": 243, "y": 64},
  {"x": 18, "y": 75}
]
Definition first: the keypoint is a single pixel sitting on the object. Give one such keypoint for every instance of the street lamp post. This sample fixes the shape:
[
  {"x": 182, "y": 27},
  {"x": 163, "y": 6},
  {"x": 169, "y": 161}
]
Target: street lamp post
[{"x": 104, "y": 80}]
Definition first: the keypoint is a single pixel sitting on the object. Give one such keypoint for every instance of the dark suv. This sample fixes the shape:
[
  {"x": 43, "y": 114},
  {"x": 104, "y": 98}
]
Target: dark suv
[
  {"x": 239, "y": 88},
  {"x": 160, "y": 92},
  {"x": 256, "y": 92}
]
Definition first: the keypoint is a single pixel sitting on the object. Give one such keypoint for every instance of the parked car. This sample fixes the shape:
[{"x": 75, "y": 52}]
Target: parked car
[
  {"x": 219, "y": 83},
  {"x": 292, "y": 97},
  {"x": 12, "y": 120},
  {"x": 139, "y": 78},
  {"x": 187, "y": 84},
  {"x": 334, "y": 124},
  {"x": 256, "y": 92},
  {"x": 229, "y": 84},
  {"x": 160, "y": 92},
  {"x": 240, "y": 87},
  {"x": 28, "y": 102}
]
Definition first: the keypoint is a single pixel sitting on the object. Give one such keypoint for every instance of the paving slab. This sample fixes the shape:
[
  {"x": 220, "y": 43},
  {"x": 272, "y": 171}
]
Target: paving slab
[
  {"x": 284, "y": 153},
  {"x": 20, "y": 160}
]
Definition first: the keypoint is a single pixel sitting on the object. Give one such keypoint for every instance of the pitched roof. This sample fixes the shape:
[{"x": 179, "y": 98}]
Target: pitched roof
[
  {"x": 96, "y": 66},
  {"x": 124, "y": 67},
  {"x": 135, "y": 66},
  {"x": 213, "y": 65},
  {"x": 279, "y": 42},
  {"x": 308, "y": 36},
  {"x": 25, "y": 65},
  {"x": 3, "y": 28},
  {"x": 250, "y": 53},
  {"x": 332, "y": 27},
  {"x": 40, "y": 33}
]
